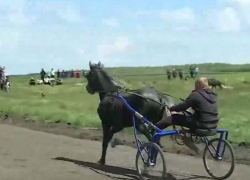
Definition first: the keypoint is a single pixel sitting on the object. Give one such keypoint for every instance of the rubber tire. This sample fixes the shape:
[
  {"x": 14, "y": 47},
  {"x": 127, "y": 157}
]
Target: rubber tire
[
  {"x": 233, "y": 160},
  {"x": 156, "y": 147}
]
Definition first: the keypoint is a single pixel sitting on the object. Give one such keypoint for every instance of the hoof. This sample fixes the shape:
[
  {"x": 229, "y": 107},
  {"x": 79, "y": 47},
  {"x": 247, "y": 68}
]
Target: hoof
[{"x": 101, "y": 162}]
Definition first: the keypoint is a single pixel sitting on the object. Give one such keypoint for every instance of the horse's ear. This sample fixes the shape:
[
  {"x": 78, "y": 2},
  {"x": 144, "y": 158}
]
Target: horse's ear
[{"x": 90, "y": 65}]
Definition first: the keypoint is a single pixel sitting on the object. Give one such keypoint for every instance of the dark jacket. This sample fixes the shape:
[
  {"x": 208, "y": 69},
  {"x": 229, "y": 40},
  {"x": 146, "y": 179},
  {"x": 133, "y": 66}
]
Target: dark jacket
[{"x": 204, "y": 104}]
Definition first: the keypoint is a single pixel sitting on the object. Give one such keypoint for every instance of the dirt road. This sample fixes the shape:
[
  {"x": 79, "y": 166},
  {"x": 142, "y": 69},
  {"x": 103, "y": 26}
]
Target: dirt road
[{"x": 33, "y": 155}]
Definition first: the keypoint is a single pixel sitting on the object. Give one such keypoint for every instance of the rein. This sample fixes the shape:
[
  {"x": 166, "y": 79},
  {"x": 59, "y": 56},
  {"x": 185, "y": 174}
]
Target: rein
[{"x": 132, "y": 91}]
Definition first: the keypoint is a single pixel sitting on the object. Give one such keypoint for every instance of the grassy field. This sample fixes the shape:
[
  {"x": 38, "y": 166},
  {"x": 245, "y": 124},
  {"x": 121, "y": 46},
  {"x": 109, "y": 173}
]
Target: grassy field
[{"x": 71, "y": 103}]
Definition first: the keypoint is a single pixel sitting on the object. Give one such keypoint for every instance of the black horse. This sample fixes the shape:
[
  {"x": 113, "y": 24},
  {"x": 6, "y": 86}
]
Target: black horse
[{"x": 114, "y": 114}]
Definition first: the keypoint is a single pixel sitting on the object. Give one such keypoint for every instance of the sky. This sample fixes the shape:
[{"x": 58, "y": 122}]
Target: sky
[{"x": 66, "y": 34}]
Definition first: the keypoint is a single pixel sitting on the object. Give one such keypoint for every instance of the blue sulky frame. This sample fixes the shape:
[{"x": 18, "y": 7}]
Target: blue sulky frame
[{"x": 161, "y": 133}]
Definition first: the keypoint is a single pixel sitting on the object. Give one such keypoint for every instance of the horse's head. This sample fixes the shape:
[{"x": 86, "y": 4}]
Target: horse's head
[{"x": 99, "y": 80}]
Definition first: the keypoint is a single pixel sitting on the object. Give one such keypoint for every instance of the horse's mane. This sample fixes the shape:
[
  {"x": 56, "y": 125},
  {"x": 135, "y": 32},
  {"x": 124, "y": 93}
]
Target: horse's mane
[{"x": 105, "y": 75}]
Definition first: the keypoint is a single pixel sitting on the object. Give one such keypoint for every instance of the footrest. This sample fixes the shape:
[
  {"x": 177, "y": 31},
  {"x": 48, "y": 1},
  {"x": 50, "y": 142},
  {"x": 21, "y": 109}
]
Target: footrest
[{"x": 204, "y": 132}]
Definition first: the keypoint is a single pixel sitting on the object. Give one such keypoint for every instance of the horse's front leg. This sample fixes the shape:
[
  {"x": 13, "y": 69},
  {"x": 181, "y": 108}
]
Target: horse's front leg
[{"x": 107, "y": 136}]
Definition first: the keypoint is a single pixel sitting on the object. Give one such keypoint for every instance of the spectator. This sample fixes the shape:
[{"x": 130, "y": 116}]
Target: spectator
[
  {"x": 43, "y": 73},
  {"x": 196, "y": 71},
  {"x": 169, "y": 74},
  {"x": 52, "y": 73},
  {"x": 72, "y": 73},
  {"x": 180, "y": 74},
  {"x": 174, "y": 72},
  {"x": 68, "y": 73},
  {"x": 191, "y": 71},
  {"x": 58, "y": 74},
  {"x": 78, "y": 74},
  {"x": 63, "y": 74}
]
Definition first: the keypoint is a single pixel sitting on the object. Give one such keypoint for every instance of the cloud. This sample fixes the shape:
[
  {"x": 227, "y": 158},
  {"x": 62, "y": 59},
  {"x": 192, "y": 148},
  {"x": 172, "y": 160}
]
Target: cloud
[
  {"x": 244, "y": 8},
  {"x": 14, "y": 12},
  {"x": 111, "y": 22},
  {"x": 182, "y": 28},
  {"x": 9, "y": 40},
  {"x": 68, "y": 12},
  {"x": 19, "y": 18},
  {"x": 142, "y": 13},
  {"x": 183, "y": 15},
  {"x": 121, "y": 45},
  {"x": 13, "y": 5},
  {"x": 228, "y": 20},
  {"x": 241, "y": 6}
]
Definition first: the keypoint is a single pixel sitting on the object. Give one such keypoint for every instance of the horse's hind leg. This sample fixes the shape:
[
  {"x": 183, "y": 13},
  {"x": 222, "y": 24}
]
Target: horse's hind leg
[
  {"x": 148, "y": 133},
  {"x": 143, "y": 129}
]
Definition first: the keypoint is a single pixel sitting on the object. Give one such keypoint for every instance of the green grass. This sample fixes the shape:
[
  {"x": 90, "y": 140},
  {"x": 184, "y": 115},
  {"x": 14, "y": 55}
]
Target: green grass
[
  {"x": 205, "y": 68},
  {"x": 71, "y": 103}
]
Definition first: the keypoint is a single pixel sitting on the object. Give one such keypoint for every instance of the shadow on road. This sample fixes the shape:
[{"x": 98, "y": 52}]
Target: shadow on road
[{"x": 128, "y": 173}]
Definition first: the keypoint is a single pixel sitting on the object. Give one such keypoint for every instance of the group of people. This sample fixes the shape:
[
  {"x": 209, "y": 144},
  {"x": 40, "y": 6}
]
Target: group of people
[
  {"x": 60, "y": 74},
  {"x": 194, "y": 73},
  {"x": 175, "y": 73},
  {"x": 46, "y": 78},
  {"x": 44, "y": 75},
  {"x": 69, "y": 74},
  {"x": 53, "y": 77}
]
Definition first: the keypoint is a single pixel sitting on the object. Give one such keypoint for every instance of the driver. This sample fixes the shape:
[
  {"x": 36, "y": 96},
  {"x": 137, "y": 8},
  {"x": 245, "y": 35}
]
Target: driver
[{"x": 204, "y": 103}]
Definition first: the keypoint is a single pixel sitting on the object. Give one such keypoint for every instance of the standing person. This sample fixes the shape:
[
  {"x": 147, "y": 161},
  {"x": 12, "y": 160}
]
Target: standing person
[
  {"x": 72, "y": 73},
  {"x": 191, "y": 71},
  {"x": 58, "y": 74},
  {"x": 52, "y": 73},
  {"x": 196, "y": 71},
  {"x": 78, "y": 73},
  {"x": 181, "y": 74},
  {"x": 174, "y": 72},
  {"x": 7, "y": 83},
  {"x": 68, "y": 73},
  {"x": 1, "y": 78},
  {"x": 42, "y": 73},
  {"x": 1, "y": 74},
  {"x": 63, "y": 74},
  {"x": 169, "y": 74}
]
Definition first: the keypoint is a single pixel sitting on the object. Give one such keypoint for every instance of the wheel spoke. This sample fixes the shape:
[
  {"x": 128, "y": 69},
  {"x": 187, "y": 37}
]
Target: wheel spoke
[
  {"x": 219, "y": 170},
  {"x": 154, "y": 157}
]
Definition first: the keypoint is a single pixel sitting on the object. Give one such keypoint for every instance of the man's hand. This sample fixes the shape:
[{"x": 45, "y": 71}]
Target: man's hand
[
  {"x": 170, "y": 112},
  {"x": 174, "y": 112}
]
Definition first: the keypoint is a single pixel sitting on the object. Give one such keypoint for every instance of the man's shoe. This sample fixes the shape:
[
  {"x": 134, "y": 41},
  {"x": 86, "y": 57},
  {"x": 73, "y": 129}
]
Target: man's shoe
[{"x": 189, "y": 143}]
